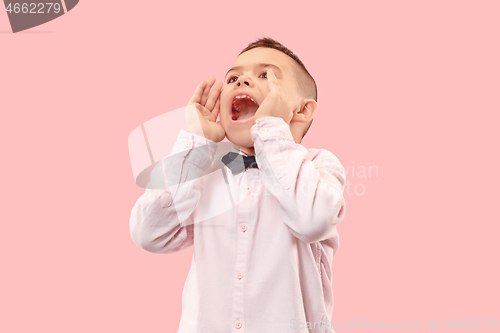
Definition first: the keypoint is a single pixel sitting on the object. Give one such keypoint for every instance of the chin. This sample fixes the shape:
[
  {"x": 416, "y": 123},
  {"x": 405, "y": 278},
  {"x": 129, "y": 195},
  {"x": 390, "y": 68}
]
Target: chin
[{"x": 240, "y": 136}]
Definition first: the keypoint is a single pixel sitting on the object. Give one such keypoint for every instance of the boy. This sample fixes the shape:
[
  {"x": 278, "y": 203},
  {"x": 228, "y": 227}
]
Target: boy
[{"x": 264, "y": 264}]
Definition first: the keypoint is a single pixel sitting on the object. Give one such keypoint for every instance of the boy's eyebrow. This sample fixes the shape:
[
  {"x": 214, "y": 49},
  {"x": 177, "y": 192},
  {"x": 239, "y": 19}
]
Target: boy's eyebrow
[{"x": 258, "y": 65}]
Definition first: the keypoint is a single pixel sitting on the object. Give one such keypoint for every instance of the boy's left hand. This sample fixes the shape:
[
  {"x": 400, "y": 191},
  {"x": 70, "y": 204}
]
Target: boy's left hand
[{"x": 276, "y": 104}]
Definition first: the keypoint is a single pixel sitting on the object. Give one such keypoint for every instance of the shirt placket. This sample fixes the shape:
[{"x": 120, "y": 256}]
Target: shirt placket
[{"x": 243, "y": 210}]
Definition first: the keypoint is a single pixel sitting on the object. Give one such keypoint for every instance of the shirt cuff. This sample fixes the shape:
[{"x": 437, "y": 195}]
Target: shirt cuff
[
  {"x": 271, "y": 137},
  {"x": 271, "y": 128},
  {"x": 204, "y": 153}
]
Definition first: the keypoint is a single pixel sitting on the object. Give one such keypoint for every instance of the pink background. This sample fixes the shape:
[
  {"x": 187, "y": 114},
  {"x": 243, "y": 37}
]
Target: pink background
[{"x": 409, "y": 88}]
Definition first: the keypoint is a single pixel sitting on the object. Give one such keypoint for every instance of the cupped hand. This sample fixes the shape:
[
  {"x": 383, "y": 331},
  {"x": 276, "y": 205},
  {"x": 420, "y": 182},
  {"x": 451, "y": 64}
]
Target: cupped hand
[{"x": 202, "y": 111}]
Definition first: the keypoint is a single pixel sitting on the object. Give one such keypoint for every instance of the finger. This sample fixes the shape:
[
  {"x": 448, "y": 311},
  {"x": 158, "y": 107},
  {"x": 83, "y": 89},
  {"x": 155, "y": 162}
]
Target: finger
[
  {"x": 272, "y": 80},
  {"x": 196, "y": 98},
  {"x": 204, "y": 94},
  {"x": 209, "y": 85},
  {"x": 214, "y": 96},
  {"x": 216, "y": 110},
  {"x": 211, "y": 80}
]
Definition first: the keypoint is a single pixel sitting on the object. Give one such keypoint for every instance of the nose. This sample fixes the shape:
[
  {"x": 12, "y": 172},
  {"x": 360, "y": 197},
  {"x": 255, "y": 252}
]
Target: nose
[{"x": 243, "y": 80}]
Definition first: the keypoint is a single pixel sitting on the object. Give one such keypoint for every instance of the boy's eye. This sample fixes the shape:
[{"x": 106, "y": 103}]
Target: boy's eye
[
  {"x": 265, "y": 73},
  {"x": 232, "y": 79}
]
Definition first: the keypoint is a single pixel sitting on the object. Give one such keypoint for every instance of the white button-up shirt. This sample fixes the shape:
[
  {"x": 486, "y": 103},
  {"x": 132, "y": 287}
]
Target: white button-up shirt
[{"x": 264, "y": 239}]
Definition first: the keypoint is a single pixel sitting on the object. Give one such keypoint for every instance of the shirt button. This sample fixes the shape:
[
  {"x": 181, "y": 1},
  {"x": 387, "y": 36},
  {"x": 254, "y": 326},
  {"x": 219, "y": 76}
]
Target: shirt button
[
  {"x": 166, "y": 199},
  {"x": 239, "y": 275},
  {"x": 187, "y": 144},
  {"x": 243, "y": 228},
  {"x": 237, "y": 324},
  {"x": 263, "y": 130}
]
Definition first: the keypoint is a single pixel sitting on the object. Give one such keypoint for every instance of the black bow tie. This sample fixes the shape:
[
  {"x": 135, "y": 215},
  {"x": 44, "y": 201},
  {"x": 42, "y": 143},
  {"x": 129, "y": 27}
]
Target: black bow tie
[{"x": 238, "y": 163}]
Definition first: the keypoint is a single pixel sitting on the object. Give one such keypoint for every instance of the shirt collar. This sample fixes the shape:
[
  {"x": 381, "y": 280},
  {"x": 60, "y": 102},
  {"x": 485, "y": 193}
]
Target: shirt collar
[{"x": 236, "y": 149}]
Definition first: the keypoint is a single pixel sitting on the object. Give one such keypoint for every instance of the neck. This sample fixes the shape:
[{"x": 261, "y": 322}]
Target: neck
[{"x": 250, "y": 151}]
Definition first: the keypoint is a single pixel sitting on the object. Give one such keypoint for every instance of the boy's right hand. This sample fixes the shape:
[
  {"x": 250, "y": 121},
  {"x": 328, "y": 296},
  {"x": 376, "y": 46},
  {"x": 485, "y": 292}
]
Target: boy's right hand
[{"x": 203, "y": 109}]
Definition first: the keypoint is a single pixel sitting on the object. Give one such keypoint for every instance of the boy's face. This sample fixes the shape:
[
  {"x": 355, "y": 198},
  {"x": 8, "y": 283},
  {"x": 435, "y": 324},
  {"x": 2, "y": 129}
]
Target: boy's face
[{"x": 248, "y": 77}]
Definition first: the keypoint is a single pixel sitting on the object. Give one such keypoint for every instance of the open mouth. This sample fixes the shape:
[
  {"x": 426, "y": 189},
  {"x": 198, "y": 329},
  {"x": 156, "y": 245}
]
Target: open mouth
[{"x": 243, "y": 107}]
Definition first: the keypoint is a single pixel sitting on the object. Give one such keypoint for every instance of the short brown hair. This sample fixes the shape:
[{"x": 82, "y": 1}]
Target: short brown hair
[{"x": 306, "y": 83}]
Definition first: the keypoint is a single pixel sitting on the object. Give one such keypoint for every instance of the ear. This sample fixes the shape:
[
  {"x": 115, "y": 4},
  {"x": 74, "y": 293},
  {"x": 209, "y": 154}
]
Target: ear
[{"x": 306, "y": 111}]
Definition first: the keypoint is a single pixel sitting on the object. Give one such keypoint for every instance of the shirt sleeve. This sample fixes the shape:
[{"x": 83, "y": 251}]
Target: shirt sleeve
[
  {"x": 161, "y": 219},
  {"x": 308, "y": 184}
]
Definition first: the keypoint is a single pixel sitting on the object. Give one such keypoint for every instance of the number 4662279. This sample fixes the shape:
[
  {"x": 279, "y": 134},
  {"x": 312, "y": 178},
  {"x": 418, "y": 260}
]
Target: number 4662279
[
  {"x": 31, "y": 8},
  {"x": 469, "y": 324}
]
